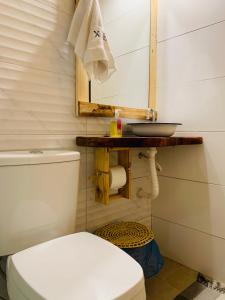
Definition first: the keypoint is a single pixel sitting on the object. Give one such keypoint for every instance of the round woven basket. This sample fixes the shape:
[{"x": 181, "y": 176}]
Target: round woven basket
[{"x": 126, "y": 234}]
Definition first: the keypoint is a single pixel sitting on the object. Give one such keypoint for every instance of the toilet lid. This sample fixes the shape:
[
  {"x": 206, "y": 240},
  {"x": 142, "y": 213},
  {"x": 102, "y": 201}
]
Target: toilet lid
[{"x": 75, "y": 267}]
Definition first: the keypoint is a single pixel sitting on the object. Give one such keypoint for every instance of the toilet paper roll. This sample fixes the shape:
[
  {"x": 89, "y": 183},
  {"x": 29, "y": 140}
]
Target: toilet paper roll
[{"x": 117, "y": 177}]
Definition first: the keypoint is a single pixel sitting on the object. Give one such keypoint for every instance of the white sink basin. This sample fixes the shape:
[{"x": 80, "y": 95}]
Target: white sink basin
[{"x": 154, "y": 128}]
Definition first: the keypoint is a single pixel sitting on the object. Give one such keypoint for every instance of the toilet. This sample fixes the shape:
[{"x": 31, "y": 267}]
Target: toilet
[{"x": 47, "y": 260}]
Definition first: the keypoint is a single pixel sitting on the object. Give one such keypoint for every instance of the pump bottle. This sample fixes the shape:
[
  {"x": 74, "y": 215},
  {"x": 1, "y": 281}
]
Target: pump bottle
[{"x": 116, "y": 125}]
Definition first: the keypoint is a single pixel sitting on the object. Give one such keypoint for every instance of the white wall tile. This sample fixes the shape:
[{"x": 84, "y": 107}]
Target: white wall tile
[
  {"x": 197, "y": 205},
  {"x": 146, "y": 221},
  {"x": 98, "y": 126},
  {"x": 36, "y": 141},
  {"x": 139, "y": 167},
  {"x": 177, "y": 17},
  {"x": 37, "y": 87},
  {"x": 67, "y": 6},
  {"x": 194, "y": 56},
  {"x": 199, "y": 105},
  {"x": 42, "y": 15},
  {"x": 23, "y": 79},
  {"x": 202, "y": 163},
  {"x": 197, "y": 250},
  {"x": 190, "y": 209},
  {"x": 31, "y": 36}
]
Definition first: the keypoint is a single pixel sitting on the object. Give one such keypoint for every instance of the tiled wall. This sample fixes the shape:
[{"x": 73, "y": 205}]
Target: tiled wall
[
  {"x": 189, "y": 215},
  {"x": 37, "y": 93}
]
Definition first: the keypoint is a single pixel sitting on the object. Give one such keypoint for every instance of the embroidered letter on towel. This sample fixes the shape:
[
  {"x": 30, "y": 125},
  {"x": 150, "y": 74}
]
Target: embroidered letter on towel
[{"x": 90, "y": 42}]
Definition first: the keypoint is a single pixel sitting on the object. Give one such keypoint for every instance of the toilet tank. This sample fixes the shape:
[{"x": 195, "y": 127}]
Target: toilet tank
[{"x": 38, "y": 197}]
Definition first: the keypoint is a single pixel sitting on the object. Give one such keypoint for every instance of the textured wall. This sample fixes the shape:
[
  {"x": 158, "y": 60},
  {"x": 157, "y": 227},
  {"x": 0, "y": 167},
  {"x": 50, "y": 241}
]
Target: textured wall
[
  {"x": 189, "y": 216},
  {"x": 37, "y": 92}
]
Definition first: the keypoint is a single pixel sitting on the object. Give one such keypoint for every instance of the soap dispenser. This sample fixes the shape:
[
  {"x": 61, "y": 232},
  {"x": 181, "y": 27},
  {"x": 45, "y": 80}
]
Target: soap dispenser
[{"x": 116, "y": 125}]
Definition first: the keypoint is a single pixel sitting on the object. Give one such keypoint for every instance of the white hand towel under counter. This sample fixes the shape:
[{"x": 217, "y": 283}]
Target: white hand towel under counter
[{"x": 90, "y": 42}]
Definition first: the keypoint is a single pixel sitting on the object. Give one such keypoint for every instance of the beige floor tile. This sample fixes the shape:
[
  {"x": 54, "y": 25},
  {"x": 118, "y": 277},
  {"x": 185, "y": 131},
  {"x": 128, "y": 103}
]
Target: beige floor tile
[
  {"x": 172, "y": 280},
  {"x": 159, "y": 289}
]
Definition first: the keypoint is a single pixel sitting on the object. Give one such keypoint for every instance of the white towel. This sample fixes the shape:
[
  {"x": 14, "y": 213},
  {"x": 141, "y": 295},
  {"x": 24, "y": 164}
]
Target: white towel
[{"x": 89, "y": 40}]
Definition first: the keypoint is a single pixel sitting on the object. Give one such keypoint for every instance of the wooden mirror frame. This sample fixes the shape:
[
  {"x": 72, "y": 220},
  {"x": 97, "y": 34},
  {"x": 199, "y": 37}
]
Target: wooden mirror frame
[{"x": 86, "y": 109}]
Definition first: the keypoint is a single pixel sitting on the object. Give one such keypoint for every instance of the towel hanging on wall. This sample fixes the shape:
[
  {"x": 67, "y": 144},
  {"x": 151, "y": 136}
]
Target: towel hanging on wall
[{"x": 90, "y": 42}]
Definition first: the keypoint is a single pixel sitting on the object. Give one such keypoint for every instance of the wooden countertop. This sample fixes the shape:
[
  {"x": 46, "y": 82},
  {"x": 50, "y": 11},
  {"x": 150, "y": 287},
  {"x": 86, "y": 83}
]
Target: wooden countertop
[{"x": 136, "y": 141}]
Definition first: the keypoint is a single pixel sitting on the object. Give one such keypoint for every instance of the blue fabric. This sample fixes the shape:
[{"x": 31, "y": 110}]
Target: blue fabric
[{"x": 148, "y": 257}]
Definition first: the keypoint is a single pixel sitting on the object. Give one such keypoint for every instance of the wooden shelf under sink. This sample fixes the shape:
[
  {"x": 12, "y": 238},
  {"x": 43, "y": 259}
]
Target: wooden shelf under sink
[
  {"x": 136, "y": 142},
  {"x": 104, "y": 145}
]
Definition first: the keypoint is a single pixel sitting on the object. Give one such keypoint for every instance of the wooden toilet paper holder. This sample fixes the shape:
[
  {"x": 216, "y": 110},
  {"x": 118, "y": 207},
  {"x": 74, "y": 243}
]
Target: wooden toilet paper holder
[{"x": 102, "y": 167}]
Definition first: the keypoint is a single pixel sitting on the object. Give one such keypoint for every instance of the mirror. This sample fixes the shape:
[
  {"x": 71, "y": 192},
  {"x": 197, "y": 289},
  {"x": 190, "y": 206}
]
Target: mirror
[
  {"x": 127, "y": 27},
  {"x": 130, "y": 27}
]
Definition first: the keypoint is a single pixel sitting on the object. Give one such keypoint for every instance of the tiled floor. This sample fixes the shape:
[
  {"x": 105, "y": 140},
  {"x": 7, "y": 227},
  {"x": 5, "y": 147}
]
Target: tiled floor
[{"x": 171, "y": 281}]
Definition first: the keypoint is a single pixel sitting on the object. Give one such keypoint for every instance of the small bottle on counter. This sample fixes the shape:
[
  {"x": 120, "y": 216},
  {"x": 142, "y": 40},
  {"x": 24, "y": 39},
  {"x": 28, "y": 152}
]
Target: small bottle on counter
[{"x": 116, "y": 127}]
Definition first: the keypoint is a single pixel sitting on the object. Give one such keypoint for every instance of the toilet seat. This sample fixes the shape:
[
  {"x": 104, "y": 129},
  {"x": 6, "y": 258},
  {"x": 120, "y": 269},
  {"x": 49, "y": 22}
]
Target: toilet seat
[{"x": 80, "y": 266}]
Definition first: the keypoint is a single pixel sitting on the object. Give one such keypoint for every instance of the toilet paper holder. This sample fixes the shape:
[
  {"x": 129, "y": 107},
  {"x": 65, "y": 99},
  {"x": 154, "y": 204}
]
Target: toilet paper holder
[{"x": 102, "y": 168}]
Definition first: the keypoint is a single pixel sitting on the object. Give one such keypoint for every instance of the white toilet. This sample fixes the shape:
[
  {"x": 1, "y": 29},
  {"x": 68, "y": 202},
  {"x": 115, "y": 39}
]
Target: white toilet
[{"x": 38, "y": 209}]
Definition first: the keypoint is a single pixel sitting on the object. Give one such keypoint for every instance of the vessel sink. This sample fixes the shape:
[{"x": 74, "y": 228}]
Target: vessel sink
[{"x": 153, "y": 128}]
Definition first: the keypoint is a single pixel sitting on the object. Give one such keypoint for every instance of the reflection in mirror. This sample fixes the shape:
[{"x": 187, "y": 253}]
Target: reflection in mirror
[{"x": 127, "y": 26}]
